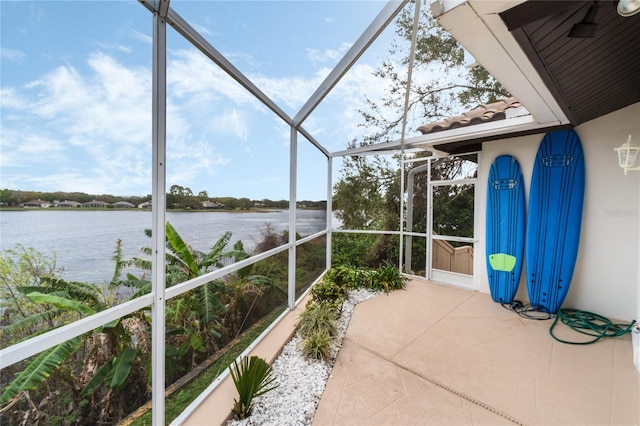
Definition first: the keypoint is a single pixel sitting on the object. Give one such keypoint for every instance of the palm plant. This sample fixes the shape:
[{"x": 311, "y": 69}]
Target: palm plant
[{"x": 252, "y": 377}]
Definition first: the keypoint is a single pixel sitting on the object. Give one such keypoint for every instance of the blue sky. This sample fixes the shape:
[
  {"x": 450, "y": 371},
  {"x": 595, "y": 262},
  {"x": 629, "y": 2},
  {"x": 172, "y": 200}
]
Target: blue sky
[{"x": 76, "y": 95}]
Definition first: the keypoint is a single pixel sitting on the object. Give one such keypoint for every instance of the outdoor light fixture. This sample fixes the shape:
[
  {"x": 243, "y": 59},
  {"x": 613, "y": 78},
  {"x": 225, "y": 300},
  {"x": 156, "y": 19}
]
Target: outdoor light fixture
[
  {"x": 627, "y": 155},
  {"x": 628, "y": 7},
  {"x": 588, "y": 27}
]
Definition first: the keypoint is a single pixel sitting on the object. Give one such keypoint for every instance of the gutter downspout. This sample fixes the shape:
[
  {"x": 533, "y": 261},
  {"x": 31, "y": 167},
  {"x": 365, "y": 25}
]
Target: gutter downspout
[
  {"x": 409, "y": 226},
  {"x": 635, "y": 331}
]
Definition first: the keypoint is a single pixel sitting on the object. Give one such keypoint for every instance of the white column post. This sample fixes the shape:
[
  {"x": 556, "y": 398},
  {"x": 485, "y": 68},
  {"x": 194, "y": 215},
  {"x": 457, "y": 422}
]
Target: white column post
[
  {"x": 293, "y": 179},
  {"x": 159, "y": 130}
]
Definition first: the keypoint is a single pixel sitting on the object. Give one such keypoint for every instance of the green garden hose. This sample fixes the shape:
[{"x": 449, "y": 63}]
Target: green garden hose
[{"x": 590, "y": 324}]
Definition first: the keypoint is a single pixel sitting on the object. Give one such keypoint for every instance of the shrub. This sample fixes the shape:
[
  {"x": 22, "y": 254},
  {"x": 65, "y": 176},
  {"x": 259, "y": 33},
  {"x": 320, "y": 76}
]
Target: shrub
[
  {"x": 318, "y": 316},
  {"x": 317, "y": 345},
  {"x": 348, "y": 276},
  {"x": 252, "y": 379},
  {"x": 328, "y": 292},
  {"x": 388, "y": 278}
]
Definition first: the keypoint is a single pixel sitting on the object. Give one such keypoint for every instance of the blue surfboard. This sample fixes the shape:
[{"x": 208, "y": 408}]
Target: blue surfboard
[
  {"x": 554, "y": 219},
  {"x": 505, "y": 228}
]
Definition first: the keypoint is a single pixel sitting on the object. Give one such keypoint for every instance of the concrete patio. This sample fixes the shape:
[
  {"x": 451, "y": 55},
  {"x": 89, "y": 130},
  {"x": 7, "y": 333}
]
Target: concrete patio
[{"x": 435, "y": 354}]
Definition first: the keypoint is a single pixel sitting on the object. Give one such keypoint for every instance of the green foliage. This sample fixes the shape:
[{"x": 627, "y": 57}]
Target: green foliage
[
  {"x": 22, "y": 267},
  {"x": 103, "y": 357},
  {"x": 453, "y": 210},
  {"x": 317, "y": 345},
  {"x": 364, "y": 251},
  {"x": 41, "y": 368},
  {"x": 252, "y": 377},
  {"x": 318, "y": 323},
  {"x": 178, "y": 402},
  {"x": 318, "y": 316},
  {"x": 352, "y": 249},
  {"x": 112, "y": 373},
  {"x": 360, "y": 195},
  {"x": 349, "y": 276},
  {"x": 328, "y": 292},
  {"x": 387, "y": 278}
]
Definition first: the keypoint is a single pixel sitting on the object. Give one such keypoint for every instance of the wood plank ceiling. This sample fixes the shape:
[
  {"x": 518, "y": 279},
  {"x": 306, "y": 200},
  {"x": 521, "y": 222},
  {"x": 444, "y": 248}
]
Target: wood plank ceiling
[{"x": 590, "y": 77}]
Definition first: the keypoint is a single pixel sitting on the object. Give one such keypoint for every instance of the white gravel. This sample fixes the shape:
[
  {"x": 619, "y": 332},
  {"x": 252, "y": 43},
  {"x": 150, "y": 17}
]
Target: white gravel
[{"x": 300, "y": 381}]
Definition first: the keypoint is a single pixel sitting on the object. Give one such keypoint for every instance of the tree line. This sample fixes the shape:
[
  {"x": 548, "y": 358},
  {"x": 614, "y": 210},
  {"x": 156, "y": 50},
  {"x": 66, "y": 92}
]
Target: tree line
[{"x": 178, "y": 197}]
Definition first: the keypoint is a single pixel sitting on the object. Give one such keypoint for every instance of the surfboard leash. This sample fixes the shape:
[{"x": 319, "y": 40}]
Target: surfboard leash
[{"x": 527, "y": 311}]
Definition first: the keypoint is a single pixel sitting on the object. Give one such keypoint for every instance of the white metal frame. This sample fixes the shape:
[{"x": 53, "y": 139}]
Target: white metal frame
[
  {"x": 163, "y": 14},
  {"x": 159, "y": 150},
  {"x": 448, "y": 277}
]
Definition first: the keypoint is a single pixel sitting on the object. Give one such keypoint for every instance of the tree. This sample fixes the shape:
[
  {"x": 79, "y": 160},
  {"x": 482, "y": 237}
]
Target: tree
[
  {"x": 245, "y": 203},
  {"x": 441, "y": 85},
  {"x": 4, "y": 196},
  {"x": 21, "y": 267},
  {"x": 367, "y": 194}
]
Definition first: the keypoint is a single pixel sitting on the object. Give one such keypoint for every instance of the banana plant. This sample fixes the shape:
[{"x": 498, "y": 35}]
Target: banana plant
[
  {"x": 243, "y": 287},
  {"x": 64, "y": 300},
  {"x": 194, "y": 319}
]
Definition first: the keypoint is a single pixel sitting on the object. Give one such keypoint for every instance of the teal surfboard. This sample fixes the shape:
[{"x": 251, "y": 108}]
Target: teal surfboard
[
  {"x": 554, "y": 219},
  {"x": 505, "y": 228}
]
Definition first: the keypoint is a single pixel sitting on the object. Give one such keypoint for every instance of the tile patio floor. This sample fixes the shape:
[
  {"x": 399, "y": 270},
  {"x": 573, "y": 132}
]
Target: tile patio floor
[{"x": 438, "y": 355}]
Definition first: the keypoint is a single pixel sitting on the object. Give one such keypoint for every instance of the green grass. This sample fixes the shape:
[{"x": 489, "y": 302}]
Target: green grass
[{"x": 178, "y": 401}]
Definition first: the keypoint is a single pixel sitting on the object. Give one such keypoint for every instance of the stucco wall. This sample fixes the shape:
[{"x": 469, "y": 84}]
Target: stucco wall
[{"x": 607, "y": 274}]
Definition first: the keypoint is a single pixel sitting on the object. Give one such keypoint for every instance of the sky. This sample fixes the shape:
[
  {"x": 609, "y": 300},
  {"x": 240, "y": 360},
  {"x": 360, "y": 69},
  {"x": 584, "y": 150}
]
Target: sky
[{"x": 75, "y": 95}]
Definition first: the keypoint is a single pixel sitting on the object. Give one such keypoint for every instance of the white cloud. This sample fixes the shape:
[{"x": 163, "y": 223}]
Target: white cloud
[
  {"x": 233, "y": 123},
  {"x": 201, "y": 29},
  {"x": 12, "y": 54},
  {"x": 117, "y": 47},
  {"x": 328, "y": 55},
  {"x": 290, "y": 91},
  {"x": 193, "y": 77},
  {"x": 97, "y": 122},
  {"x": 10, "y": 98},
  {"x": 26, "y": 151},
  {"x": 136, "y": 35}
]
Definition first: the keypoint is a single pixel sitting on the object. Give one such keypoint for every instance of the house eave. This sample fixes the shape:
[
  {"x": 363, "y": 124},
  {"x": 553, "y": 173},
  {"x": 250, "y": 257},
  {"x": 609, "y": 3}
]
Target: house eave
[
  {"x": 458, "y": 140},
  {"x": 480, "y": 30}
]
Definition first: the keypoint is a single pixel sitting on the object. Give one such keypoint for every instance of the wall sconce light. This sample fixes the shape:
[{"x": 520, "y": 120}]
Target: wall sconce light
[
  {"x": 628, "y": 7},
  {"x": 627, "y": 155}
]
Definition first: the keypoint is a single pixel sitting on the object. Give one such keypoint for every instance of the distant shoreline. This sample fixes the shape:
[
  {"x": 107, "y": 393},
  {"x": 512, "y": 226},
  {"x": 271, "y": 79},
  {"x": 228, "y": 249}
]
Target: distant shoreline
[{"x": 100, "y": 209}]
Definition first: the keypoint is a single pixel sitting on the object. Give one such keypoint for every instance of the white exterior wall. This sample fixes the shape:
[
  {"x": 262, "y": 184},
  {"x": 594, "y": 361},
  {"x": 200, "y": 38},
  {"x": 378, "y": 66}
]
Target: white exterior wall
[{"x": 606, "y": 279}]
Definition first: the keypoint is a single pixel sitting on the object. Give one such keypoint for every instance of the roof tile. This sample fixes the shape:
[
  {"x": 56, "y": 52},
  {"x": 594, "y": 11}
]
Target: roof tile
[{"x": 482, "y": 114}]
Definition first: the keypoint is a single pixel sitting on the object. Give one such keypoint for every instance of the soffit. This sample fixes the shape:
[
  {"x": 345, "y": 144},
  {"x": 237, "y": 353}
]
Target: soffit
[{"x": 588, "y": 77}]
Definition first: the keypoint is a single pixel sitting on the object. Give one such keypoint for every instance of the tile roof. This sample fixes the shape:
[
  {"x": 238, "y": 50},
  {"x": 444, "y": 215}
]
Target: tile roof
[{"x": 482, "y": 114}]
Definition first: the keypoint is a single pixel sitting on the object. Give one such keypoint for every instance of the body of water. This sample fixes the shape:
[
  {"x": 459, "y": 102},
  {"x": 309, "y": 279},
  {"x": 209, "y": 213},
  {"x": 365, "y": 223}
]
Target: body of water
[{"x": 84, "y": 241}]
